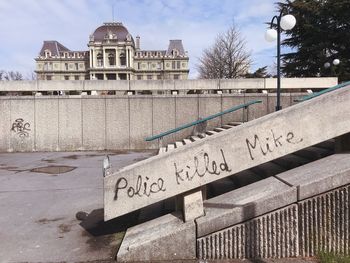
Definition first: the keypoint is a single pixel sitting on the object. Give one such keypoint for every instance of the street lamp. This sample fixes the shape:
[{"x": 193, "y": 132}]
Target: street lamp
[
  {"x": 335, "y": 63},
  {"x": 285, "y": 22}
]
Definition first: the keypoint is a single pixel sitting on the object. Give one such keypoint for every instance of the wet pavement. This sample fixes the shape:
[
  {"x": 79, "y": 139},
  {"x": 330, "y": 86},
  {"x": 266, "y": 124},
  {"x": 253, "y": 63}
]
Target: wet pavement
[{"x": 51, "y": 207}]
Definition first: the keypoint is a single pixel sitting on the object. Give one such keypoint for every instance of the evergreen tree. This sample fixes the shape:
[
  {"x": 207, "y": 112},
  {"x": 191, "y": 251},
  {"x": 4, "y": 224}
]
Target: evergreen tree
[{"x": 322, "y": 34}]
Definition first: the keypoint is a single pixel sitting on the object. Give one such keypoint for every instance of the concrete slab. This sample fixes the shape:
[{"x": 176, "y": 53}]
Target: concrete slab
[
  {"x": 94, "y": 123},
  {"x": 40, "y": 211},
  {"x": 164, "y": 238},
  {"x": 244, "y": 203},
  {"x": 319, "y": 176},
  {"x": 46, "y": 124},
  {"x": 22, "y": 124}
]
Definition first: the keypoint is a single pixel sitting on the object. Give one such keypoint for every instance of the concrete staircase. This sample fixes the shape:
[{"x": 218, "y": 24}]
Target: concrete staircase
[
  {"x": 278, "y": 186},
  {"x": 194, "y": 138}
]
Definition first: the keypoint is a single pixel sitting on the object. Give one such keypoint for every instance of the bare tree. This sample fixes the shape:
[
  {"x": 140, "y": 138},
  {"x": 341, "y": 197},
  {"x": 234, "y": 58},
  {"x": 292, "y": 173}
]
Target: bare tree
[
  {"x": 227, "y": 58},
  {"x": 10, "y": 75}
]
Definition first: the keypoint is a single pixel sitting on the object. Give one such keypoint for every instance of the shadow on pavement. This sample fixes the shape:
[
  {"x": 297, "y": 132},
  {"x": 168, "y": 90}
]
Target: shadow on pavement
[{"x": 95, "y": 225}]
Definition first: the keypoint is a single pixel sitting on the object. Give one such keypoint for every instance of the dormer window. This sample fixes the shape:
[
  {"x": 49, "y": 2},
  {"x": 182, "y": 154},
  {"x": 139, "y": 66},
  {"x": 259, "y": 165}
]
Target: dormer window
[
  {"x": 128, "y": 37},
  {"x": 175, "y": 52},
  {"x": 47, "y": 53}
]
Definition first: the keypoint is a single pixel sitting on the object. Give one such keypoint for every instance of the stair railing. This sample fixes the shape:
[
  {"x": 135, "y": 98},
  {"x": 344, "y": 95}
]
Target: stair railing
[
  {"x": 202, "y": 120},
  {"x": 316, "y": 94}
]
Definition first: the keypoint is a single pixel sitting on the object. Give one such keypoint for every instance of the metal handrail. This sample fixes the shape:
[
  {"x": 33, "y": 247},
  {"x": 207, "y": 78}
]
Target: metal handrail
[
  {"x": 316, "y": 94},
  {"x": 245, "y": 105}
]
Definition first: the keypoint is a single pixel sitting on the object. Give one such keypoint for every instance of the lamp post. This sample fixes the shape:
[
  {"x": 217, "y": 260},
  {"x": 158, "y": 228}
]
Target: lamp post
[
  {"x": 335, "y": 62},
  {"x": 286, "y": 22}
]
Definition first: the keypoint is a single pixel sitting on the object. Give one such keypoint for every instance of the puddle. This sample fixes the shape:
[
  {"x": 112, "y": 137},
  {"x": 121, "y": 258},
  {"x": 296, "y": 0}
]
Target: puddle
[{"x": 53, "y": 169}]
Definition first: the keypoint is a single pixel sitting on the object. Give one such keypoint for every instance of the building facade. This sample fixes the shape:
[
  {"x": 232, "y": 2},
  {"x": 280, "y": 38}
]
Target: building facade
[{"x": 112, "y": 54}]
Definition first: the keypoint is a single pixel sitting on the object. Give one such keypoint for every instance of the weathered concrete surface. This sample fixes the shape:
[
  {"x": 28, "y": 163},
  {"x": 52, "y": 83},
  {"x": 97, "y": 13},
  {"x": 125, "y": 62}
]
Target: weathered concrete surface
[
  {"x": 164, "y": 238},
  {"x": 39, "y": 211},
  {"x": 193, "y": 205},
  {"x": 319, "y": 176},
  {"x": 324, "y": 223},
  {"x": 274, "y": 235},
  {"x": 124, "y": 85},
  {"x": 243, "y": 204},
  {"x": 224, "y": 154}
]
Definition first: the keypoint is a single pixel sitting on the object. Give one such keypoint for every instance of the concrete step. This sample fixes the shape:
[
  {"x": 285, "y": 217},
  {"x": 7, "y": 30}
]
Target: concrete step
[
  {"x": 195, "y": 138},
  {"x": 211, "y": 132},
  {"x": 235, "y": 123},
  {"x": 162, "y": 150},
  {"x": 186, "y": 141},
  {"x": 219, "y": 129},
  {"x": 202, "y": 135},
  {"x": 179, "y": 144},
  {"x": 170, "y": 147},
  {"x": 226, "y": 126}
]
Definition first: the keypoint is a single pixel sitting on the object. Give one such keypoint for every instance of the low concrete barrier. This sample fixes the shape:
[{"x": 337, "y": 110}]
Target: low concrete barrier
[
  {"x": 167, "y": 85},
  {"x": 71, "y": 123}
]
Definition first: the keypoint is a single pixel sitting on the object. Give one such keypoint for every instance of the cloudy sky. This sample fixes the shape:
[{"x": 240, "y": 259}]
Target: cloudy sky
[{"x": 25, "y": 24}]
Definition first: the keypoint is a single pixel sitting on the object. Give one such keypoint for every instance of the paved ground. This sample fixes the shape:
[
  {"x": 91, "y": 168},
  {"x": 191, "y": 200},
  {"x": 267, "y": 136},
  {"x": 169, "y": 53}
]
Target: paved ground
[
  {"x": 53, "y": 214},
  {"x": 51, "y": 208}
]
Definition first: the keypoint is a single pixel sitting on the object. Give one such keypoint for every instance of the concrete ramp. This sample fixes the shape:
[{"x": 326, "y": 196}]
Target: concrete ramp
[{"x": 226, "y": 153}]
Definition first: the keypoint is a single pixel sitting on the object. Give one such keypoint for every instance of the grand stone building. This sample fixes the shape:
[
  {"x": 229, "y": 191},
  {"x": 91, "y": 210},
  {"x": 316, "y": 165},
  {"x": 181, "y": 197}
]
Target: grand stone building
[{"x": 113, "y": 54}]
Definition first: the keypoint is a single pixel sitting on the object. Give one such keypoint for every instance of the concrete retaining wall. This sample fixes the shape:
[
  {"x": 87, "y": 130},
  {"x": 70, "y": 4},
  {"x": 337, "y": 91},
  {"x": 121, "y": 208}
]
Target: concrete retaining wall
[
  {"x": 71, "y": 123},
  {"x": 317, "y": 224}
]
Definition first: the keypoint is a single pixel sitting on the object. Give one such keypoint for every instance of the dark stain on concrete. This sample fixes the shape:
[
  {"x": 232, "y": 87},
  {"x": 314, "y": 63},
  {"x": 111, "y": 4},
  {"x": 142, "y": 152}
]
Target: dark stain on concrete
[
  {"x": 12, "y": 169},
  {"x": 54, "y": 170},
  {"x": 97, "y": 242},
  {"x": 44, "y": 221},
  {"x": 48, "y": 160},
  {"x": 101, "y": 234},
  {"x": 64, "y": 228}
]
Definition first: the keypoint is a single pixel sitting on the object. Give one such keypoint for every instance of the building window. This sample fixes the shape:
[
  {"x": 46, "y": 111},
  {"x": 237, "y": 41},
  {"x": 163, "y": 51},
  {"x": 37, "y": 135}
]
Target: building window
[
  {"x": 178, "y": 65},
  {"x": 149, "y": 65},
  {"x": 76, "y": 77},
  {"x": 159, "y": 65},
  {"x": 66, "y": 77},
  {"x": 66, "y": 66},
  {"x": 173, "y": 64},
  {"x": 48, "y": 77},
  {"x": 159, "y": 77},
  {"x": 176, "y": 76},
  {"x": 139, "y": 77},
  {"x": 111, "y": 59},
  {"x": 76, "y": 66},
  {"x": 122, "y": 58},
  {"x": 99, "y": 60},
  {"x": 149, "y": 77}
]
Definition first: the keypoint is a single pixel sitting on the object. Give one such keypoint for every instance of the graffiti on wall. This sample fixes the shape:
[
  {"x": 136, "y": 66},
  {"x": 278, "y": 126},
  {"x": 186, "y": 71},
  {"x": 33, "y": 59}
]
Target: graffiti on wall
[{"x": 21, "y": 128}]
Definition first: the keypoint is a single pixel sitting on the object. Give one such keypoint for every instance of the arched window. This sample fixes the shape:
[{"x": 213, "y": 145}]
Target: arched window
[{"x": 122, "y": 58}]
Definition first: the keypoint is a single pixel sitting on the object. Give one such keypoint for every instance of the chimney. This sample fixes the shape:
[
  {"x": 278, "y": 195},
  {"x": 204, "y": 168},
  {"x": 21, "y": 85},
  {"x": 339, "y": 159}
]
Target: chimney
[{"x": 137, "y": 42}]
